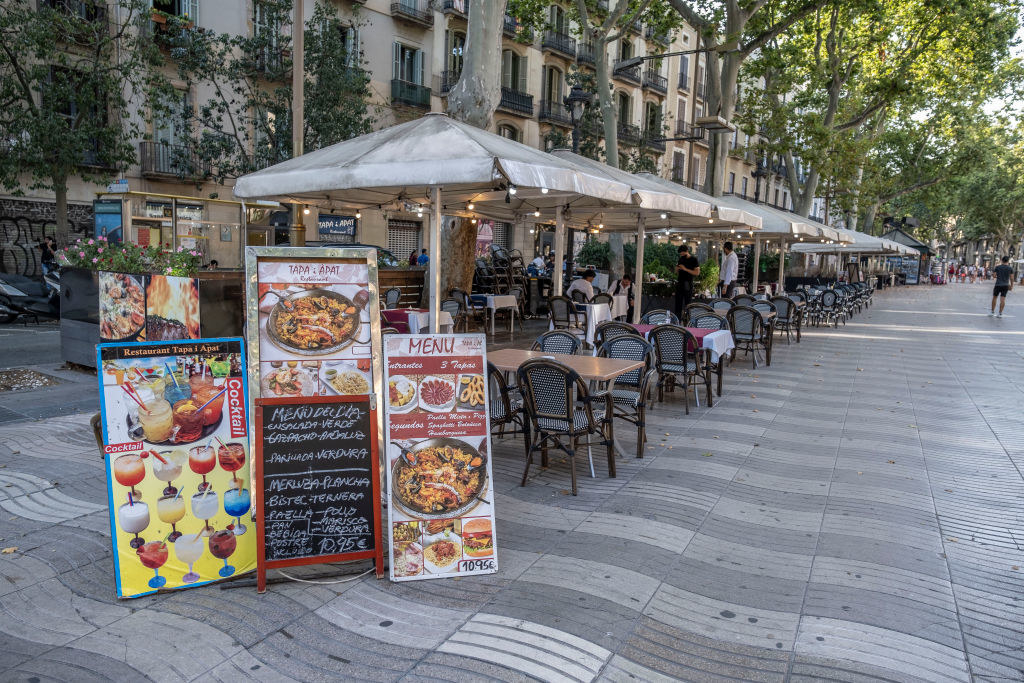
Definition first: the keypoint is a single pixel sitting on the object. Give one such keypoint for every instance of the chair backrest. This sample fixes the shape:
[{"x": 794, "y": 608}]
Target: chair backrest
[
  {"x": 829, "y": 298},
  {"x": 389, "y": 330},
  {"x": 797, "y": 296},
  {"x": 673, "y": 345},
  {"x": 501, "y": 406},
  {"x": 579, "y": 297},
  {"x": 744, "y": 321},
  {"x": 629, "y": 347},
  {"x": 783, "y": 306},
  {"x": 611, "y": 329},
  {"x": 696, "y": 309},
  {"x": 391, "y": 297},
  {"x": 764, "y": 306},
  {"x": 562, "y": 312},
  {"x": 453, "y": 307},
  {"x": 603, "y": 298},
  {"x": 550, "y": 390},
  {"x": 709, "y": 321},
  {"x": 659, "y": 316},
  {"x": 743, "y": 299},
  {"x": 556, "y": 341},
  {"x": 721, "y": 304}
]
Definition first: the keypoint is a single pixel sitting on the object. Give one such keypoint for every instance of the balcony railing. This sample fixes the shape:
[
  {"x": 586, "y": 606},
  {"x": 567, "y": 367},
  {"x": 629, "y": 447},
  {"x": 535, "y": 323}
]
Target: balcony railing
[
  {"x": 585, "y": 54},
  {"x": 636, "y": 27},
  {"x": 699, "y": 91},
  {"x": 662, "y": 37},
  {"x": 162, "y": 160},
  {"x": 516, "y": 102},
  {"x": 629, "y": 74},
  {"x": 554, "y": 112},
  {"x": 447, "y": 81},
  {"x": 562, "y": 43},
  {"x": 511, "y": 26},
  {"x": 455, "y": 7},
  {"x": 408, "y": 10},
  {"x": 86, "y": 10},
  {"x": 654, "y": 138},
  {"x": 412, "y": 94},
  {"x": 686, "y": 131},
  {"x": 679, "y": 174},
  {"x": 655, "y": 81},
  {"x": 684, "y": 81},
  {"x": 629, "y": 134}
]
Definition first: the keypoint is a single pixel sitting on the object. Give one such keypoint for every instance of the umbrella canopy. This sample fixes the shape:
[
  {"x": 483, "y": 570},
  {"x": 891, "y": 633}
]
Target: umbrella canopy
[
  {"x": 406, "y": 161},
  {"x": 778, "y": 223},
  {"x": 724, "y": 217},
  {"x": 853, "y": 242}
]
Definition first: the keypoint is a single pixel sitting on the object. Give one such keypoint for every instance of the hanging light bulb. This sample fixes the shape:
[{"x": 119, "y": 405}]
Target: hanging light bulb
[
  {"x": 305, "y": 210},
  {"x": 664, "y": 215},
  {"x": 531, "y": 231},
  {"x": 536, "y": 214},
  {"x": 732, "y": 232},
  {"x": 751, "y": 233},
  {"x": 470, "y": 206},
  {"x": 600, "y": 226},
  {"x": 711, "y": 220},
  {"x": 359, "y": 214},
  {"x": 512, "y": 189},
  {"x": 473, "y": 221},
  {"x": 543, "y": 190}
]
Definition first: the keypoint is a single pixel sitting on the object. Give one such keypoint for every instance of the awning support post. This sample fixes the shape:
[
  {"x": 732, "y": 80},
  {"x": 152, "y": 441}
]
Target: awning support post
[{"x": 638, "y": 275}]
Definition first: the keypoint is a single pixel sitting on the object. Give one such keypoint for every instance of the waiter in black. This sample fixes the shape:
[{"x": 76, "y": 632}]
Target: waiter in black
[{"x": 686, "y": 268}]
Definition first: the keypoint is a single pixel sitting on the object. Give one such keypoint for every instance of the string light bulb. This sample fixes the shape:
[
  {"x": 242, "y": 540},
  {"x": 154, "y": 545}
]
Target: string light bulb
[
  {"x": 536, "y": 214},
  {"x": 473, "y": 221},
  {"x": 470, "y": 206},
  {"x": 305, "y": 210},
  {"x": 512, "y": 189},
  {"x": 600, "y": 226},
  {"x": 664, "y": 215},
  {"x": 543, "y": 190},
  {"x": 359, "y": 214}
]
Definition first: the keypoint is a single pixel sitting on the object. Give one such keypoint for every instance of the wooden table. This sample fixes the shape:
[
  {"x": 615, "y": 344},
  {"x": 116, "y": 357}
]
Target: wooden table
[{"x": 589, "y": 367}]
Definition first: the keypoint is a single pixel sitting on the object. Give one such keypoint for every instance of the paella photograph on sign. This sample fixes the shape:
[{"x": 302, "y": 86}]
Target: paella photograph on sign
[
  {"x": 314, "y": 327},
  {"x": 440, "y": 494}
]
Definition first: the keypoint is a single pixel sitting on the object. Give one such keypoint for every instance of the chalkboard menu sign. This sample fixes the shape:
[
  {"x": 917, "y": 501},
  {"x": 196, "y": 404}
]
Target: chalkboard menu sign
[{"x": 317, "y": 482}]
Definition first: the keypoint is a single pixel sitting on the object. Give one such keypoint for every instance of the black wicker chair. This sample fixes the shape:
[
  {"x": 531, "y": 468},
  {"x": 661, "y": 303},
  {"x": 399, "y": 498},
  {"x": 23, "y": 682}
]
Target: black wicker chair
[
  {"x": 677, "y": 354},
  {"x": 610, "y": 329},
  {"x": 748, "y": 331},
  {"x": 563, "y": 316},
  {"x": 712, "y": 321},
  {"x": 659, "y": 316},
  {"x": 506, "y": 406},
  {"x": 631, "y": 390},
  {"x": 391, "y": 297},
  {"x": 787, "y": 317},
  {"x": 558, "y": 341}
]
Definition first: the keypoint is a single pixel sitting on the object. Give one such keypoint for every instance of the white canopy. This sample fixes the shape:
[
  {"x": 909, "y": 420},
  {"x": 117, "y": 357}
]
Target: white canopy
[
  {"x": 728, "y": 217},
  {"x": 777, "y": 223},
  {"x": 854, "y": 242}
]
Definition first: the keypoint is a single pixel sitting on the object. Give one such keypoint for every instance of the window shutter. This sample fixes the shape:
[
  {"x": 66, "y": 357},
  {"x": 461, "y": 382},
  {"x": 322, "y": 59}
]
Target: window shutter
[
  {"x": 396, "y": 71},
  {"x": 192, "y": 10},
  {"x": 417, "y": 67},
  {"x": 506, "y": 68},
  {"x": 521, "y": 87}
]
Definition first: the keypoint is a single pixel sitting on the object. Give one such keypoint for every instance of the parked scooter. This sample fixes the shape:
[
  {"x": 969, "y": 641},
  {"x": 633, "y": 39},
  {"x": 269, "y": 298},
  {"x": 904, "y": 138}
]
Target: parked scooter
[{"x": 21, "y": 296}]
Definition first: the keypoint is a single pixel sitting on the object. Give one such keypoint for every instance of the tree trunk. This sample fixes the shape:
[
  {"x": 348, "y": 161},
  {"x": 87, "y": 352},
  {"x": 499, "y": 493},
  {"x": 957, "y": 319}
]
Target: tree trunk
[
  {"x": 457, "y": 264},
  {"x": 60, "y": 189},
  {"x": 855, "y": 208},
  {"x": 472, "y": 100},
  {"x": 609, "y": 117},
  {"x": 477, "y": 93},
  {"x": 869, "y": 218},
  {"x": 723, "y": 73}
]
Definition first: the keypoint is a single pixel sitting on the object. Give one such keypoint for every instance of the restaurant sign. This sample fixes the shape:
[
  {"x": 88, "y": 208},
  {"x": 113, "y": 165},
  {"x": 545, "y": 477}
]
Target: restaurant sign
[
  {"x": 336, "y": 226},
  {"x": 440, "y": 514},
  {"x": 176, "y": 442}
]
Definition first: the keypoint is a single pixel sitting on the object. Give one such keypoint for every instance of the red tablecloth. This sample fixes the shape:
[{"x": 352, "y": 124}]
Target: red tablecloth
[{"x": 398, "y": 318}]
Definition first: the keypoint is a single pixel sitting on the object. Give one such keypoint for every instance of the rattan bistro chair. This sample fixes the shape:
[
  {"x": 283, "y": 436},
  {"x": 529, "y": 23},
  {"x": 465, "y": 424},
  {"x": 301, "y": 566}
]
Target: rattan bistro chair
[
  {"x": 506, "y": 406},
  {"x": 676, "y": 355},
  {"x": 712, "y": 321},
  {"x": 659, "y": 316},
  {"x": 603, "y": 298},
  {"x": 748, "y": 331},
  {"x": 557, "y": 341},
  {"x": 391, "y": 297},
  {"x": 610, "y": 329},
  {"x": 560, "y": 410},
  {"x": 721, "y": 305},
  {"x": 787, "y": 317},
  {"x": 473, "y": 310},
  {"x": 457, "y": 311},
  {"x": 563, "y": 316},
  {"x": 695, "y": 309},
  {"x": 631, "y": 390}
]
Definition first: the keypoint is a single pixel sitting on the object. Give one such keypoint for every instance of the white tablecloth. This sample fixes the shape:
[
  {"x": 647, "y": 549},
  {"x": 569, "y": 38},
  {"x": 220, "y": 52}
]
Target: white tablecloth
[
  {"x": 497, "y": 302},
  {"x": 419, "y": 323},
  {"x": 620, "y": 305},
  {"x": 596, "y": 314},
  {"x": 720, "y": 342}
]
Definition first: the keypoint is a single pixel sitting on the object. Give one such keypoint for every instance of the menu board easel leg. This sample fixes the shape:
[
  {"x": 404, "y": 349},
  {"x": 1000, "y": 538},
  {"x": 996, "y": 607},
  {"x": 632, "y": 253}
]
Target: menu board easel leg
[{"x": 261, "y": 580}]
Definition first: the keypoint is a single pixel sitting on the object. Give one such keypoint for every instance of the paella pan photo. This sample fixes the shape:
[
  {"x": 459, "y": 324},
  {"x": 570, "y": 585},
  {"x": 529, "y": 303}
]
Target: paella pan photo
[
  {"x": 440, "y": 477},
  {"x": 313, "y": 320}
]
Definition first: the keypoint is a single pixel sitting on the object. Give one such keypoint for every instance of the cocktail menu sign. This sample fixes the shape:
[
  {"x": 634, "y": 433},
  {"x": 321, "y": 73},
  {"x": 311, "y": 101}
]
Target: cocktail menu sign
[{"x": 176, "y": 446}]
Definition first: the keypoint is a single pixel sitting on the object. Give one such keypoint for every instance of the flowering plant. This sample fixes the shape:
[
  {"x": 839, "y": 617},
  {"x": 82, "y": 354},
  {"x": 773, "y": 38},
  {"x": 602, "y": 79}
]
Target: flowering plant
[{"x": 125, "y": 257}]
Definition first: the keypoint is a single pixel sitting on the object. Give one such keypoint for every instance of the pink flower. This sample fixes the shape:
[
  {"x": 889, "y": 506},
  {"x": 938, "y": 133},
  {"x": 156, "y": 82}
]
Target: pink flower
[
  {"x": 81, "y": 254},
  {"x": 94, "y": 259},
  {"x": 92, "y": 241},
  {"x": 169, "y": 269},
  {"x": 102, "y": 238},
  {"x": 100, "y": 250}
]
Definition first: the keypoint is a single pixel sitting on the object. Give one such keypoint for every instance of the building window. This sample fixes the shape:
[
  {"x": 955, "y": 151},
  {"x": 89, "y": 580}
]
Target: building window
[
  {"x": 350, "y": 36},
  {"x": 625, "y": 49},
  {"x": 679, "y": 166},
  {"x": 776, "y": 196},
  {"x": 513, "y": 71},
  {"x": 408, "y": 64},
  {"x": 455, "y": 46},
  {"x": 732, "y": 183},
  {"x": 404, "y": 238},
  {"x": 684, "y": 72},
  {"x": 559, "y": 23},
  {"x": 552, "y": 85},
  {"x": 171, "y": 126},
  {"x": 745, "y": 187},
  {"x": 695, "y": 169},
  {"x": 625, "y": 108},
  {"x": 511, "y": 132},
  {"x": 681, "y": 110},
  {"x": 179, "y": 8},
  {"x": 652, "y": 119},
  {"x": 266, "y": 27}
]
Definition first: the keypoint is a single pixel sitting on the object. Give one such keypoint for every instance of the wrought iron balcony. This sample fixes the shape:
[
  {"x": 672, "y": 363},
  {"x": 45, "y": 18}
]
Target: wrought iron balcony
[
  {"x": 636, "y": 27},
  {"x": 162, "y": 160},
  {"x": 663, "y": 37},
  {"x": 511, "y": 26},
  {"x": 408, "y": 10},
  {"x": 629, "y": 134},
  {"x": 447, "y": 81},
  {"x": 457, "y": 7},
  {"x": 562, "y": 43},
  {"x": 412, "y": 94},
  {"x": 554, "y": 112},
  {"x": 654, "y": 139},
  {"x": 516, "y": 102},
  {"x": 700, "y": 90},
  {"x": 687, "y": 132},
  {"x": 628, "y": 74},
  {"x": 585, "y": 54},
  {"x": 655, "y": 81}
]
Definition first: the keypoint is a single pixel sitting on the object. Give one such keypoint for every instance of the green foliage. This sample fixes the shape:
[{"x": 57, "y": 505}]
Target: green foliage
[
  {"x": 64, "y": 80},
  {"x": 590, "y": 126},
  {"x": 708, "y": 279},
  {"x": 126, "y": 257},
  {"x": 247, "y": 124},
  {"x": 659, "y": 258}
]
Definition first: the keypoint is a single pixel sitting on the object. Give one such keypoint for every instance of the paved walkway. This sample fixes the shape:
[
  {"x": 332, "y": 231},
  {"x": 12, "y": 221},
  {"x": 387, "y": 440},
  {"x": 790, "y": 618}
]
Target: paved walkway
[{"x": 855, "y": 512}]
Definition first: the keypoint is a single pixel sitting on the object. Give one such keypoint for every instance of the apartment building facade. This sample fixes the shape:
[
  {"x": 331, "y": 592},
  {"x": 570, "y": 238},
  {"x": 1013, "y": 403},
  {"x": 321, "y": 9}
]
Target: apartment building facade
[{"x": 413, "y": 52}]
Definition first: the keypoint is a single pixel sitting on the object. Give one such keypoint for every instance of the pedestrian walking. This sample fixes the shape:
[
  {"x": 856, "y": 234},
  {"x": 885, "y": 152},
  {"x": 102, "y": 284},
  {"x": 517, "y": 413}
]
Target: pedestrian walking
[
  {"x": 1004, "y": 283},
  {"x": 686, "y": 268},
  {"x": 48, "y": 257}
]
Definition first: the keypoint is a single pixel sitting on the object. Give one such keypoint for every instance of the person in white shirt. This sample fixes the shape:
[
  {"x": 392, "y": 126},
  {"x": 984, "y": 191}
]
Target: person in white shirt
[
  {"x": 538, "y": 262},
  {"x": 625, "y": 288},
  {"x": 730, "y": 269},
  {"x": 583, "y": 285}
]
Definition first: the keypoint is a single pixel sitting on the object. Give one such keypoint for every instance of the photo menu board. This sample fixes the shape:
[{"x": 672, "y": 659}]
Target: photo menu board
[
  {"x": 314, "y": 326},
  {"x": 440, "y": 506},
  {"x": 176, "y": 446}
]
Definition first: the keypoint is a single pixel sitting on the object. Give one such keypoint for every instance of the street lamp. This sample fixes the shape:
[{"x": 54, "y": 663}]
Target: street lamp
[
  {"x": 577, "y": 102},
  {"x": 760, "y": 172}
]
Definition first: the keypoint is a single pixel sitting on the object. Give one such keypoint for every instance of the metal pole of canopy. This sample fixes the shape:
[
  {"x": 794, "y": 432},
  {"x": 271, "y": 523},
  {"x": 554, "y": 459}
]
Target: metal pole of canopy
[
  {"x": 557, "y": 275},
  {"x": 782, "y": 267},
  {"x": 638, "y": 276},
  {"x": 433, "y": 265},
  {"x": 757, "y": 264}
]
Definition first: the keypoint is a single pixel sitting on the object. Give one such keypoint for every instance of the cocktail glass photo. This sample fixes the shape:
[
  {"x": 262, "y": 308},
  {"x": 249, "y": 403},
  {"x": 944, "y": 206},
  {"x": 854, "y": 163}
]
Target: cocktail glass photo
[
  {"x": 236, "y": 504},
  {"x": 202, "y": 460},
  {"x": 134, "y": 518},
  {"x": 129, "y": 470},
  {"x": 212, "y": 412},
  {"x": 171, "y": 510},
  {"x": 169, "y": 469},
  {"x": 176, "y": 392},
  {"x": 188, "y": 420},
  {"x": 200, "y": 381},
  {"x": 232, "y": 457},
  {"x": 153, "y": 556},
  {"x": 157, "y": 420},
  {"x": 204, "y": 507},
  {"x": 222, "y": 546},
  {"x": 189, "y": 549}
]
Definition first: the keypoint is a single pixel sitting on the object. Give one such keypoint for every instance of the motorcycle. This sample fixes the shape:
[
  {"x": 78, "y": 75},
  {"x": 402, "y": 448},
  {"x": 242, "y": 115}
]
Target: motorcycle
[{"x": 21, "y": 296}]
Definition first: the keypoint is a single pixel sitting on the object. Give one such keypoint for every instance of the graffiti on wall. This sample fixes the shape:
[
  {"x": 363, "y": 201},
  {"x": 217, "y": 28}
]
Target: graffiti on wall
[{"x": 24, "y": 223}]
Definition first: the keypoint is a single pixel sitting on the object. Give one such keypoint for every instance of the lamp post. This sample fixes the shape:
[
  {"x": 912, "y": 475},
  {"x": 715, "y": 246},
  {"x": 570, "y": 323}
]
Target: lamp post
[
  {"x": 576, "y": 102},
  {"x": 760, "y": 172}
]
